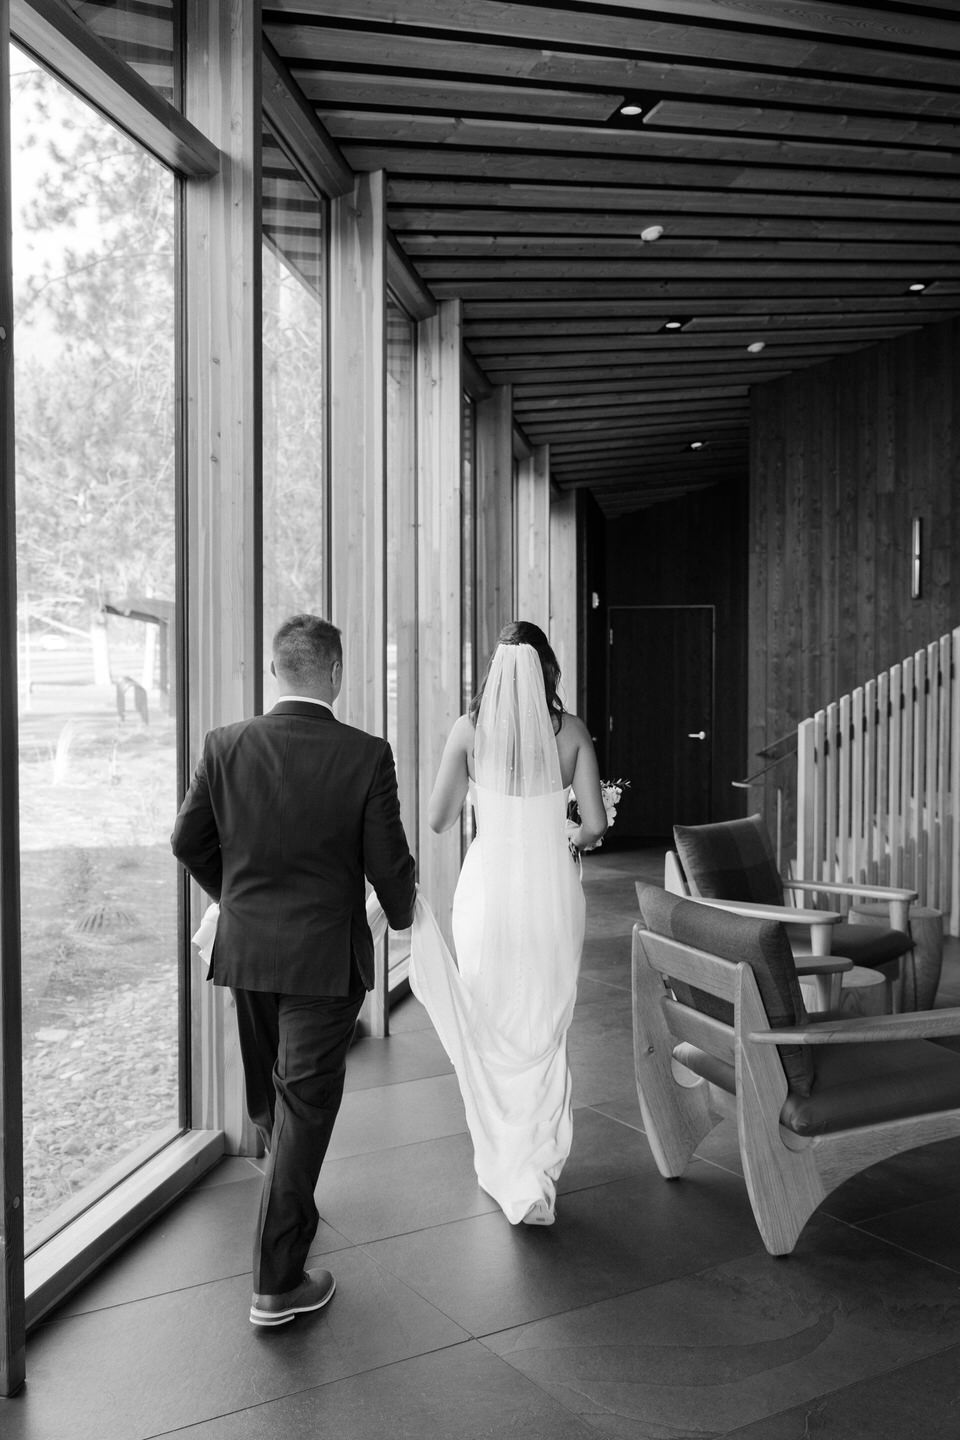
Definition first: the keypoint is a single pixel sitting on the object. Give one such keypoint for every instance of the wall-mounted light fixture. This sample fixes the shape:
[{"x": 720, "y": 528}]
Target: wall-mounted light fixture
[{"x": 916, "y": 535}]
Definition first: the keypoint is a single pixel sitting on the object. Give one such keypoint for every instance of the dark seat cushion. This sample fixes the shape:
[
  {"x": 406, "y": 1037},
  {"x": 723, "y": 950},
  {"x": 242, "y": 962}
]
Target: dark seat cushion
[
  {"x": 869, "y": 945},
  {"x": 761, "y": 944},
  {"x": 862, "y": 1084},
  {"x": 854, "y": 1085},
  {"x": 730, "y": 860}
]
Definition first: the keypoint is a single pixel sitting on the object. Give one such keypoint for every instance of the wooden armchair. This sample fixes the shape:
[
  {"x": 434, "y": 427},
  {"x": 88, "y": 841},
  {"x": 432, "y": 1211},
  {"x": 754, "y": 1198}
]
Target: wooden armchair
[
  {"x": 720, "y": 1030},
  {"x": 732, "y": 862}
]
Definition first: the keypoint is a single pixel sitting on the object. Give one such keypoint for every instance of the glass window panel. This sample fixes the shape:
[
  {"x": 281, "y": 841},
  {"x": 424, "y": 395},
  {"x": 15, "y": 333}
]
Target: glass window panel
[
  {"x": 401, "y": 618},
  {"x": 141, "y": 32},
  {"x": 94, "y": 311},
  {"x": 294, "y": 379}
]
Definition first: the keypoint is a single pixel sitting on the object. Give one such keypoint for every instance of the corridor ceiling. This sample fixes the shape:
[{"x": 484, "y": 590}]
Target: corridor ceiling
[{"x": 791, "y": 172}]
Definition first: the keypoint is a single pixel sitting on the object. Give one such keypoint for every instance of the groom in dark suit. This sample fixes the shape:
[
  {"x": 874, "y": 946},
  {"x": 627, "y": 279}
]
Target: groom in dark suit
[{"x": 285, "y": 816}]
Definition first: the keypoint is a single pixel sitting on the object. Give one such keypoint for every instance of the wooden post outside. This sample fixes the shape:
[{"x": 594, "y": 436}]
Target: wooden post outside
[
  {"x": 222, "y": 273},
  {"x": 439, "y": 405},
  {"x": 12, "y": 1314}
]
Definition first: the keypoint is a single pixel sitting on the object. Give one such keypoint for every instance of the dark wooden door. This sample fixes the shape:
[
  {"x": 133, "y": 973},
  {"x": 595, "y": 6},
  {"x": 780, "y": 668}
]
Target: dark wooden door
[{"x": 661, "y": 716}]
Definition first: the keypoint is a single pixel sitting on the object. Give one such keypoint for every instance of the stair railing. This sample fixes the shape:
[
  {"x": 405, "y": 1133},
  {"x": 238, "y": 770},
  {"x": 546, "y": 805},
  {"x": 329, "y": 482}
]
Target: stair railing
[{"x": 878, "y": 782}]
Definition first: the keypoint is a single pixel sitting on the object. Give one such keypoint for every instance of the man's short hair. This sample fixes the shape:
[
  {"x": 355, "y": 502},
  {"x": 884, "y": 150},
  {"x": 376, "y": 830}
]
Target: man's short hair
[{"x": 306, "y": 646}]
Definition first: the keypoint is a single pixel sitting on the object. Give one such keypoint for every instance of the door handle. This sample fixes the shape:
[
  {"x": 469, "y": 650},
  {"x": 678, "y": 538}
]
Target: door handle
[{"x": 697, "y": 735}]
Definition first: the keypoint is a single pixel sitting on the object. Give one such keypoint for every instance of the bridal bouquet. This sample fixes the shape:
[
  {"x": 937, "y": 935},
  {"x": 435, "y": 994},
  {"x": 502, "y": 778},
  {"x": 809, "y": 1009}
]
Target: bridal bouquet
[{"x": 610, "y": 791}]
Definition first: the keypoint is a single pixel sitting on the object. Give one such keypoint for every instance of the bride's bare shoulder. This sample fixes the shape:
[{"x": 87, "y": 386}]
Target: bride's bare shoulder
[{"x": 574, "y": 728}]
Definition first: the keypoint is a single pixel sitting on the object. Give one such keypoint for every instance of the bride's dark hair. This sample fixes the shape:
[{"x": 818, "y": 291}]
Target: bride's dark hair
[{"x": 524, "y": 632}]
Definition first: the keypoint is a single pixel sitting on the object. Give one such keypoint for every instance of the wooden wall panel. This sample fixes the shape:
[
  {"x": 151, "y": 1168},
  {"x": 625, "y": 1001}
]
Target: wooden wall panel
[{"x": 850, "y": 452}]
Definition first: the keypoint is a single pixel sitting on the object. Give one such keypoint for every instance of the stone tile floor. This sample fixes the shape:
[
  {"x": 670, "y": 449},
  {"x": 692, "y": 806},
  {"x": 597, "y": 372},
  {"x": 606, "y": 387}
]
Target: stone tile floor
[{"x": 650, "y": 1311}]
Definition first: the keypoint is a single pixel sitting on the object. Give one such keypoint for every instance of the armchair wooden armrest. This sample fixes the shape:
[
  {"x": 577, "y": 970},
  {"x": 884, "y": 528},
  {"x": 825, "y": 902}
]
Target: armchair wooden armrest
[
  {"x": 822, "y": 965},
  {"x": 845, "y": 887},
  {"x": 898, "y": 898},
  {"x": 916, "y": 1025},
  {"x": 818, "y": 922}
]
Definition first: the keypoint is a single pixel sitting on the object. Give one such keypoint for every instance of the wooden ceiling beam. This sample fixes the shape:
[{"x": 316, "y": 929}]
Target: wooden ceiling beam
[
  {"x": 632, "y": 34},
  {"x": 480, "y": 268},
  {"x": 397, "y": 128},
  {"x": 554, "y": 349},
  {"x": 657, "y": 202},
  {"x": 832, "y": 125},
  {"x": 683, "y": 293},
  {"x": 437, "y": 220},
  {"x": 633, "y": 250},
  {"x": 744, "y": 174},
  {"x": 338, "y": 89},
  {"x": 859, "y": 24},
  {"x": 624, "y": 72},
  {"x": 735, "y": 301}
]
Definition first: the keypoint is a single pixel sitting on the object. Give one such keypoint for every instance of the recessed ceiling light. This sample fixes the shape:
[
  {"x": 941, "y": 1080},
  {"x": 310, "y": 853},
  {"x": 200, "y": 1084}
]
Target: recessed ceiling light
[
  {"x": 697, "y": 444},
  {"x": 756, "y": 346},
  {"x": 673, "y": 324},
  {"x": 651, "y": 233},
  {"x": 631, "y": 109},
  {"x": 917, "y": 286}
]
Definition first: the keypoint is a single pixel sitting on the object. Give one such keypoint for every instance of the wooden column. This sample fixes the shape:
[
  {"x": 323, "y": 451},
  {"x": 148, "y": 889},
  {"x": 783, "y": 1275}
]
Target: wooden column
[
  {"x": 358, "y": 446},
  {"x": 533, "y": 538},
  {"x": 564, "y": 591},
  {"x": 224, "y": 458},
  {"x": 12, "y": 1317},
  {"x": 495, "y": 544},
  {"x": 358, "y": 468},
  {"x": 439, "y": 400}
]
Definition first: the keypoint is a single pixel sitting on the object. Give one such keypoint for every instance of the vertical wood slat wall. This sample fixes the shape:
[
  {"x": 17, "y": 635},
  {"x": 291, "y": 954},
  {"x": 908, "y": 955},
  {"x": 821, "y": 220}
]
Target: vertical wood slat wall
[
  {"x": 843, "y": 457},
  {"x": 877, "y": 783}
]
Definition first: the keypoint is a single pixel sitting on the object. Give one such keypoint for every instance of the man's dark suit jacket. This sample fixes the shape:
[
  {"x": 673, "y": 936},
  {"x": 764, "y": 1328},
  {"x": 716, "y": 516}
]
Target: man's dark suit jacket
[{"x": 285, "y": 816}]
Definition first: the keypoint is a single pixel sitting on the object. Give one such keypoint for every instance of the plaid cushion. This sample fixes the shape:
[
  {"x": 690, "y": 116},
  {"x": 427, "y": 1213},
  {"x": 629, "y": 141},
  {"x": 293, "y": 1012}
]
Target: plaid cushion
[
  {"x": 732, "y": 860},
  {"x": 761, "y": 944}
]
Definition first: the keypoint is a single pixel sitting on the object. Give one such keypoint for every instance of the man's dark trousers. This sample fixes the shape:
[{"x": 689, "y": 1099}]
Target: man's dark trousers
[{"x": 294, "y": 1105}]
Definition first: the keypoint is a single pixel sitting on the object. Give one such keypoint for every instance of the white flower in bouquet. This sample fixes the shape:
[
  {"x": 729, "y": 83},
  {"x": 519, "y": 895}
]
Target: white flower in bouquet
[{"x": 610, "y": 792}]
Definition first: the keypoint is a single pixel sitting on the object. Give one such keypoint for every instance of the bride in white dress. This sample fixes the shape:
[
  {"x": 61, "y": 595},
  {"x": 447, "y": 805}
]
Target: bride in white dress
[{"x": 503, "y": 1008}]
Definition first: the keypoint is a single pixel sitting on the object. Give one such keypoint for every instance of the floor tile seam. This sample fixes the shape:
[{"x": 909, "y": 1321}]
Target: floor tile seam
[
  {"x": 103, "y": 1309},
  {"x": 827, "y": 1395},
  {"x": 589, "y": 1429},
  {"x": 617, "y": 1295},
  {"x": 401, "y": 1080},
  {"x": 896, "y": 1245},
  {"x": 403, "y": 1145},
  {"x": 594, "y": 1105},
  {"x": 408, "y": 1285},
  {"x": 184, "y": 1430}
]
